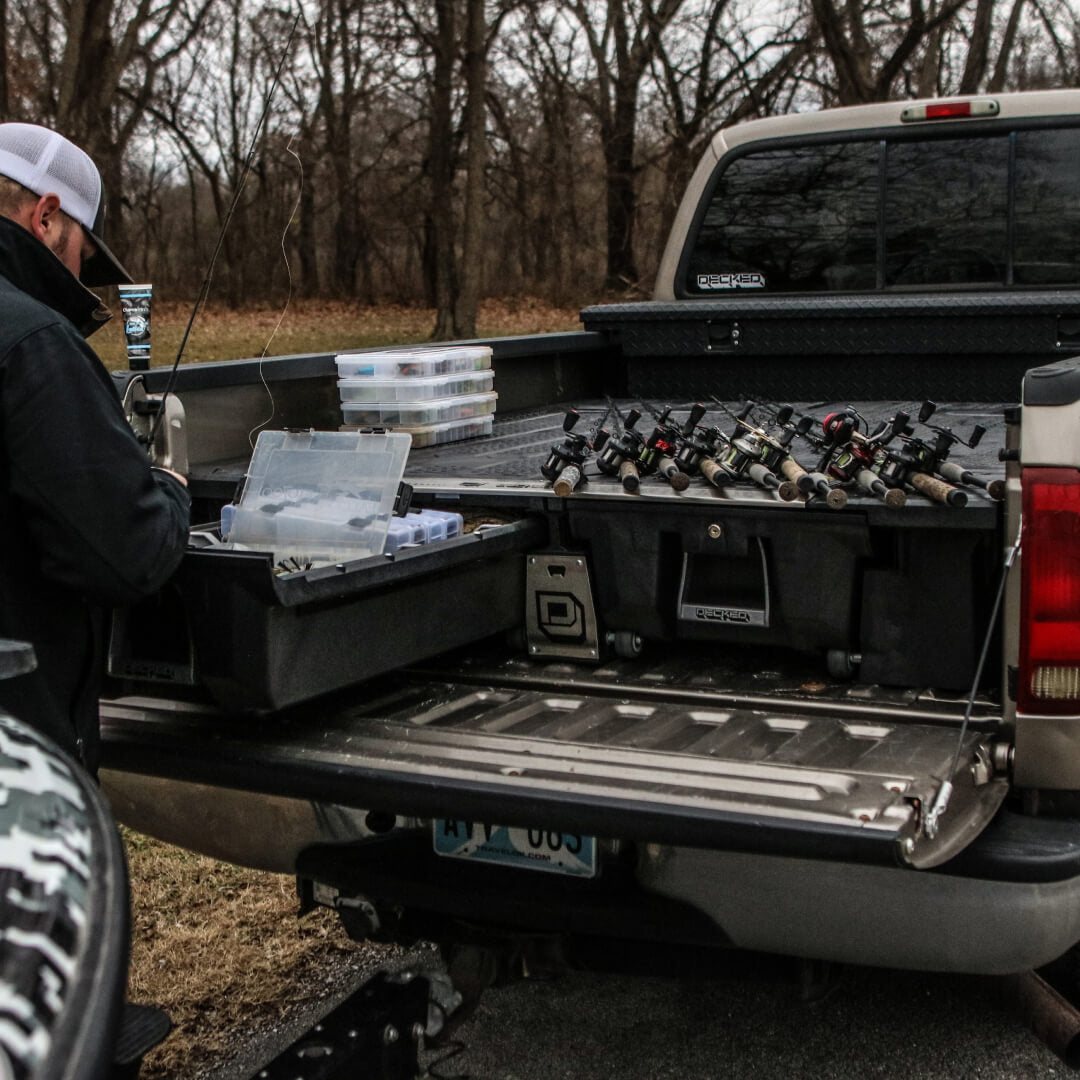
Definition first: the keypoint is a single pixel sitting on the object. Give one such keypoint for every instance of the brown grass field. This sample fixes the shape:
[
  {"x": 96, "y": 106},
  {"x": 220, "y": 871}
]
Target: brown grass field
[
  {"x": 307, "y": 326},
  {"x": 220, "y": 947}
]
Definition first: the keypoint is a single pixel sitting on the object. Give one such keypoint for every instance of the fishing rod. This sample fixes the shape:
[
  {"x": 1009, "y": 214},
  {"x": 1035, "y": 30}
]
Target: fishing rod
[
  {"x": 746, "y": 453},
  {"x": 565, "y": 463},
  {"x": 621, "y": 452}
]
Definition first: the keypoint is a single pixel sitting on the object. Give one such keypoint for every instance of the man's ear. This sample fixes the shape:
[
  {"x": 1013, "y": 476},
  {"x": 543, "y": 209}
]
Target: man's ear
[{"x": 45, "y": 218}]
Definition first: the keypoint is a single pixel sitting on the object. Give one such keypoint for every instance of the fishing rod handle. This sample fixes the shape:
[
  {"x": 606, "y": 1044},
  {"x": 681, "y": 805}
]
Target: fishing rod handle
[
  {"x": 835, "y": 497},
  {"x": 567, "y": 480},
  {"x": 675, "y": 476},
  {"x": 629, "y": 475},
  {"x": 938, "y": 490},
  {"x": 715, "y": 473},
  {"x": 797, "y": 474},
  {"x": 870, "y": 483},
  {"x": 956, "y": 474},
  {"x": 892, "y": 497},
  {"x": 784, "y": 488}
]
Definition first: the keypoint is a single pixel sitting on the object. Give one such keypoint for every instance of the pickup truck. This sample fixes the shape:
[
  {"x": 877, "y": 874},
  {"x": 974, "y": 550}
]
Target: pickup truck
[{"x": 700, "y": 717}]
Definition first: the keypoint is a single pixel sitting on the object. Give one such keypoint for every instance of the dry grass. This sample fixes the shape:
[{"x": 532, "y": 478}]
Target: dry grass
[
  {"x": 220, "y": 334},
  {"x": 221, "y": 950}
]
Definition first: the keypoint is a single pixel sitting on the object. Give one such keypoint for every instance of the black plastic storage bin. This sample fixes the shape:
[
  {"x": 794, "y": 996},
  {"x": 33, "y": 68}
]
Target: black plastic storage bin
[{"x": 252, "y": 640}]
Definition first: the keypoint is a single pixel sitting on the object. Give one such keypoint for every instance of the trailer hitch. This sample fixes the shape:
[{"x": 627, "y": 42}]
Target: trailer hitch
[{"x": 376, "y": 1033}]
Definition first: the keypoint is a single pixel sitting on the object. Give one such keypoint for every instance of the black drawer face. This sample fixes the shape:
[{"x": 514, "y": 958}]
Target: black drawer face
[{"x": 228, "y": 627}]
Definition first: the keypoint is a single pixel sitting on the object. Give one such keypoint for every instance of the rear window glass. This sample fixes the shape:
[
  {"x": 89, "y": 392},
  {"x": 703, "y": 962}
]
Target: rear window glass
[
  {"x": 904, "y": 213},
  {"x": 1046, "y": 215},
  {"x": 789, "y": 220},
  {"x": 947, "y": 212}
]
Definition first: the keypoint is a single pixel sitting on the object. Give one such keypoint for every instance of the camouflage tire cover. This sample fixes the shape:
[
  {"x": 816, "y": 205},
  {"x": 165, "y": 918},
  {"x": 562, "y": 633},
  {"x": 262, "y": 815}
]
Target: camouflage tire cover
[{"x": 63, "y": 914}]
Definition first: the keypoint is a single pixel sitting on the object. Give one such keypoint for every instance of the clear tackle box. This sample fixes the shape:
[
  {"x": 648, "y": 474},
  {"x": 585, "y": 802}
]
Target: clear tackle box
[
  {"x": 398, "y": 388},
  {"x": 414, "y": 363},
  {"x": 451, "y": 431},
  {"x": 417, "y": 414},
  {"x": 319, "y": 497}
]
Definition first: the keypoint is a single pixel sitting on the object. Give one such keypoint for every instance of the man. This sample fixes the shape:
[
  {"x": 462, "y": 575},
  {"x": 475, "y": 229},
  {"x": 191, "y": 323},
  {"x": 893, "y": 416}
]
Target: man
[{"x": 85, "y": 523}]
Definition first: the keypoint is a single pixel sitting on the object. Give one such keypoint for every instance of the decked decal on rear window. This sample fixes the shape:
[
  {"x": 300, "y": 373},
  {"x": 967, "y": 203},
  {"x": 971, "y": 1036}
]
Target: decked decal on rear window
[{"x": 731, "y": 281}]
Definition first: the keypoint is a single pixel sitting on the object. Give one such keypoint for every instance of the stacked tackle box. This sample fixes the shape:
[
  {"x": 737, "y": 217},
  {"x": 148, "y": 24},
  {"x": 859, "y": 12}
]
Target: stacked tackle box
[{"x": 437, "y": 395}]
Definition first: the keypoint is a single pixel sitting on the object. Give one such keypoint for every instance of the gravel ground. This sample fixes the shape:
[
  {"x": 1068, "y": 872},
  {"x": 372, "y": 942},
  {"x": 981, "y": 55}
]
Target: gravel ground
[
  {"x": 875, "y": 1024},
  {"x": 747, "y": 1022}
]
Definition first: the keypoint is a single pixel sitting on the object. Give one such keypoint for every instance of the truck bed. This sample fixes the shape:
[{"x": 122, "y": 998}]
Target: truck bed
[{"x": 334, "y": 685}]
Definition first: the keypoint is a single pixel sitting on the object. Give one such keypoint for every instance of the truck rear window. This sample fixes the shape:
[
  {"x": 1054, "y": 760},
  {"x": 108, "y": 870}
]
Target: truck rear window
[{"x": 997, "y": 210}]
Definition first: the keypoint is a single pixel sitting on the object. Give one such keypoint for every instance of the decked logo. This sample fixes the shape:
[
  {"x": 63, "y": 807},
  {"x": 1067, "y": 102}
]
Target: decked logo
[
  {"x": 719, "y": 614},
  {"x": 710, "y": 282}
]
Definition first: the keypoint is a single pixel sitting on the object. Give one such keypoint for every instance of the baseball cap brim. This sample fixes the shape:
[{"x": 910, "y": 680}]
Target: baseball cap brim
[{"x": 102, "y": 268}]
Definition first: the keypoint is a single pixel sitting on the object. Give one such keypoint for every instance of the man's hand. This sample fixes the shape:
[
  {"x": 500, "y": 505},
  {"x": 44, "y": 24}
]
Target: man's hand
[{"x": 172, "y": 472}]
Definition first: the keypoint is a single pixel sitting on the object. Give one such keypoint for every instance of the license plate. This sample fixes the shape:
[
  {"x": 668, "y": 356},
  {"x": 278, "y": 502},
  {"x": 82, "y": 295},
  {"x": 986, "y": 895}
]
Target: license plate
[{"x": 526, "y": 849}]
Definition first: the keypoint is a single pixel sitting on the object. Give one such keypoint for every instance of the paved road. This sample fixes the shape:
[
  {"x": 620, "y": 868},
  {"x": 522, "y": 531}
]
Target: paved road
[
  {"x": 748, "y": 1022},
  {"x": 873, "y": 1024}
]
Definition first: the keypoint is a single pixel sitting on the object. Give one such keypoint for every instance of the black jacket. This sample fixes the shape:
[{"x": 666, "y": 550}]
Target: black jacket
[{"x": 84, "y": 522}]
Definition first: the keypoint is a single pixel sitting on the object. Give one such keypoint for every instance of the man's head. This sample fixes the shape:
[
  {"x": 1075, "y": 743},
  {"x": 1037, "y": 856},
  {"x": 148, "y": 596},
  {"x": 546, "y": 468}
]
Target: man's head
[{"x": 52, "y": 188}]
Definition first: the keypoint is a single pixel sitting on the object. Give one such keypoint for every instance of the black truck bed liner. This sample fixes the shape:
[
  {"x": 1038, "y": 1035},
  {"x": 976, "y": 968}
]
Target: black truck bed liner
[{"x": 520, "y": 441}]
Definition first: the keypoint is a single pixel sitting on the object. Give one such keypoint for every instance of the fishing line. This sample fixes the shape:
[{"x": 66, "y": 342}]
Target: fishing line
[
  {"x": 288, "y": 297},
  {"x": 204, "y": 289},
  {"x": 941, "y": 800}
]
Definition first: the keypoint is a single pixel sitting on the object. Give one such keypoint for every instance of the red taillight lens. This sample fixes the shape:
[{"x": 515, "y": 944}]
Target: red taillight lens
[
  {"x": 955, "y": 108},
  {"x": 1050, "y": 609}
]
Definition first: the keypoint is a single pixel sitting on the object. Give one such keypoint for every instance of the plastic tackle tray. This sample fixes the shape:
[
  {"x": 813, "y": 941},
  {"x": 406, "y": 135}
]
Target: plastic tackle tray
[
  {"x": 425, "y": 527},
  {"x": 451, "y": 431},
  {"x": 319, "y": 497},
  {"x": 419, "y": 363},
  {"x": 360, "y": 389},
  {"x": 417, "y": 414}
]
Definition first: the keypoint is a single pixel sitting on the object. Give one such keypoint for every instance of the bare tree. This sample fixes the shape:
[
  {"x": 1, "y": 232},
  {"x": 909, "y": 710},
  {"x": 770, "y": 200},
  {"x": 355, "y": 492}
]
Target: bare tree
[
  {"x": 101, "y": 62},
  {"x": 476, "y": 49},
  {"x": 712, "y": 70},
  {"x": 871, "y": 46},
  {"x": 622, "y": 45}
]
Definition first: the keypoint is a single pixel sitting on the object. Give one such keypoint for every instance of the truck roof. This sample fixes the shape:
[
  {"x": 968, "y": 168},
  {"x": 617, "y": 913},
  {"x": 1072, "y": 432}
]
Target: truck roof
[{"x": 888, "y": 114}]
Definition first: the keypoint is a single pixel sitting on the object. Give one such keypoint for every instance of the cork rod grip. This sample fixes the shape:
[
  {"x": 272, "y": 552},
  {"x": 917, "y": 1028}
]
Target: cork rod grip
[{"x": 937, "y": 490}]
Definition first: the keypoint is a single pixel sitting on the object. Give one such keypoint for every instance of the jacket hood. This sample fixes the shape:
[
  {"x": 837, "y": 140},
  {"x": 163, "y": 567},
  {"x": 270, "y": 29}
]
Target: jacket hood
[{"x": 30, "y": 266}]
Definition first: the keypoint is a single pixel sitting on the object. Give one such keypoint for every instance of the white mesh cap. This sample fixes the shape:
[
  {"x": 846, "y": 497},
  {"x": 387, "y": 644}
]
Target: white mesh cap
[{"x": 44, "y": 162}]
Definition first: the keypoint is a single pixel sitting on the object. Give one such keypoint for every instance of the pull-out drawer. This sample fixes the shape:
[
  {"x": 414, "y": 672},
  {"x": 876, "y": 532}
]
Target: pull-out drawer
[{"x": 230, "y": 628}]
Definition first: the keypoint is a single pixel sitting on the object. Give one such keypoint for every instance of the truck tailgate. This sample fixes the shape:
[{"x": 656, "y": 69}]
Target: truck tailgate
[{"x": 642, "y": 751}]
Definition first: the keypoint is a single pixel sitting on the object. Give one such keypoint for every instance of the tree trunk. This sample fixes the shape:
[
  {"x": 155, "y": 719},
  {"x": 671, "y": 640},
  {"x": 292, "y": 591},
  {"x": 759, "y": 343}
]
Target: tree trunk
[
  {"x": 979, "y": 49},
  {"x": 1008, "y": 40},
  {"x": 441, "y": 165},
  {"x": 619, "y": 158},
  {"x": 472, "y": 247},
  {"x": 306, "y": 244}
]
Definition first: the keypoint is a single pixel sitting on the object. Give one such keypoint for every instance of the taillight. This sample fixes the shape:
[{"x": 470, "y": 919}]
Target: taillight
[
  {"x": 950, "y": 110},
  {"x": 1050, "y": 609}
]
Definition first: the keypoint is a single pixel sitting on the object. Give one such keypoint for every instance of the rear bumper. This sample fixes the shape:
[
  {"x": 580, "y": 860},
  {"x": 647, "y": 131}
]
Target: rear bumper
[
  {"x": 1011, "y": 902},
  {"x": 928, "y": 921}
]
